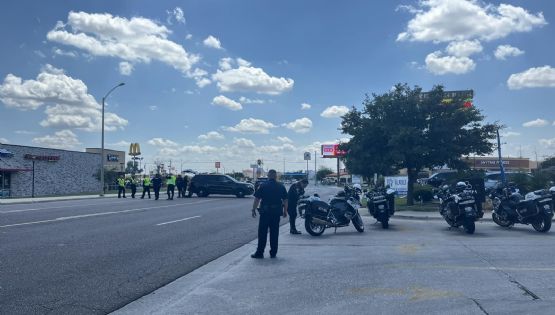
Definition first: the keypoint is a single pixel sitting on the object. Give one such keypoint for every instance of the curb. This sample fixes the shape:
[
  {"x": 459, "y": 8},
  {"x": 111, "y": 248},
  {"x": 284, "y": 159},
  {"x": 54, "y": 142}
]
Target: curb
[{"x": 427, "y": 218}]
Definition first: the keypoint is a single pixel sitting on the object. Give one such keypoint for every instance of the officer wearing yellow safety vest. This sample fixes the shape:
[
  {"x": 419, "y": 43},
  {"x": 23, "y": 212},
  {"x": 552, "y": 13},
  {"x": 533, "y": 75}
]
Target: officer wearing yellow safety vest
[
  {"x": 121, "y": 186},
  {"x": 146, "y": 187},
  {"x": 170, "y": 182}
]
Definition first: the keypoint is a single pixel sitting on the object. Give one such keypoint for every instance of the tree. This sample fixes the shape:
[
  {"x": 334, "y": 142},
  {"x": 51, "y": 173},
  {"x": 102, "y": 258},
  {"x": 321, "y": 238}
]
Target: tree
[
  {"x": 132, "y": 168},
  {"x": 323, "y": 172},
  {"x": 404, "y": 128}
]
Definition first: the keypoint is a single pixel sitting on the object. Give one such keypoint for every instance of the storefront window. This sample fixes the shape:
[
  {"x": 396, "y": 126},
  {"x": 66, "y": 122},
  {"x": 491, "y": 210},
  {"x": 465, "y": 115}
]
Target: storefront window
[{"x": 5, "y": 182}]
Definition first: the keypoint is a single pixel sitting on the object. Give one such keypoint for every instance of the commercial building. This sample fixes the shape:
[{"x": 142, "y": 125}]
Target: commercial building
[
  {"x": 114, "y": 160},
  {"x": 33, "y": 171},
  {"x": 492, "y": 163}
]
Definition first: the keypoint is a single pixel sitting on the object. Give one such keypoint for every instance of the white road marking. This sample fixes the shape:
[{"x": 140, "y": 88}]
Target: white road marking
[
  {"x": 60, "y": 207},
  {"x": 99, "y": 214},
  {"x": 197, "y": 216}
]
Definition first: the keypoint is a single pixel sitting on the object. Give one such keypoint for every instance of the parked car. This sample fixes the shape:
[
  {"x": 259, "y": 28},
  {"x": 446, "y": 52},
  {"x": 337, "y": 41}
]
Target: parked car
[
  {"x": 492, "y": 179},
  {"x": 207, "y": 184},
  {"x": 438, "y": 179}
]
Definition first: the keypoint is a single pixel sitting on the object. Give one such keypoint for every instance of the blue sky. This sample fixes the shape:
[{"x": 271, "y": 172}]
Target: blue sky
[{"x": 223, "y": 80}]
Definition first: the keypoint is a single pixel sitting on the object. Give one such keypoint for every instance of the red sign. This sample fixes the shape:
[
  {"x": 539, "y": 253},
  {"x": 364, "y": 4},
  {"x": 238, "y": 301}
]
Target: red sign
[
  {"x": 332, "y": 151},
  {"x": 217, "y": 164},
  {"x": 50, "y": 158}
]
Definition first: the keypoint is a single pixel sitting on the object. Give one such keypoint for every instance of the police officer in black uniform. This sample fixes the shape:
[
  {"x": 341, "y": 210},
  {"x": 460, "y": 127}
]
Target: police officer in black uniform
[
  {"x": 156, "y": 185},
  {"x": 295, "y": 192},
  {"x": 272, "y": 198}
]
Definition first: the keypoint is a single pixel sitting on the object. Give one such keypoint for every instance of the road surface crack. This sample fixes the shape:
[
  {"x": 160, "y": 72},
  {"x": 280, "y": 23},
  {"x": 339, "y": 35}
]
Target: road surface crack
[
  {"x": 509, "y": 277},
  {"x": 480, "y": 306}
]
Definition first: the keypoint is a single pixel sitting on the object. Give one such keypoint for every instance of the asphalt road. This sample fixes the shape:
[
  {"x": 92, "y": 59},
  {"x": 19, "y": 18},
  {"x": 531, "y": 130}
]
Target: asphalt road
[
  {"x": 415, "y": 267},
  {"x": 95, "y": 256}
]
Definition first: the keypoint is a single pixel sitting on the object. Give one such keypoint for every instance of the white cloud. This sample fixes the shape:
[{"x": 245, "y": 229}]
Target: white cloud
[
  {"x": 532, "y": 78},
  {"x": 252, "y": 125},
  {"x": 153, "y": 107},
  {"x": 464, "y": 48},
  {"x": 24, "y": 132},
  {"x": 301, "y": 125},
  {"x": 4, "y": 140},
  {"x": 438, "y": 64},
  {"x": 245, "y": 100},
  {"x": 284, "y": 140},
  {"x": 59, "y": 52},
  {"x": 189, "y": 36},
  {"x": 136, "y": 40},
  {"x": 63, "y": 139},
  {"x": 246, "y": 78},
  {"x": 212, "y": 42},
  {"x": 536, "y": 123},
  {"x": 504, "y": 51},
  {"x": 212, "y": 135},
  {"x": 305, "y": 106},
  {"x": 198, "y": 149},
  {"x": 68, "y": 103},
  {"x": 228, "y": 103},
  {"x": 176, "y": 14},
  {"x": 243, "y": 143},
  {"x": 335, "y": 111},
  {"x": 286, "y": 147},
  {"x": 121, "y": 143},
  {"x": 455, "y": 20},
  {"x": 161, "y": 142},
  {"x": 510, "y": 134},
  {"x": 125, "y": 68},
  {"x": 547, "y": 143}
]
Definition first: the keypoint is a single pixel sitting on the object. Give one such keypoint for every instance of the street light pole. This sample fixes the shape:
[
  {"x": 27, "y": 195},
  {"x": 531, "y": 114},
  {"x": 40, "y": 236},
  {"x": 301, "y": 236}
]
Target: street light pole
[{"x": 102, "y": 148}]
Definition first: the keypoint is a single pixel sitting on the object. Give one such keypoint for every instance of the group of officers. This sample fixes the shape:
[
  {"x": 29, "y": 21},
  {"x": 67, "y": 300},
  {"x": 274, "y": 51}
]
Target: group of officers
[
  {"x": 155, "y": 183},
  {"x": 272, "y": 201}
]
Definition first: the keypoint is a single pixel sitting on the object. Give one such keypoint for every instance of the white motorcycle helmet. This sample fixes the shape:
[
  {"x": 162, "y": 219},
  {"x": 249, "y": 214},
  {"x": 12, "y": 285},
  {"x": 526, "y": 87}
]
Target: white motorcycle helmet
[{"x": 357, "y": 187}]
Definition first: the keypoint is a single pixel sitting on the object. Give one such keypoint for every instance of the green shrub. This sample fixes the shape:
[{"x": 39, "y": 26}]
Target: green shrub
[{"x": 423, "y": 193}]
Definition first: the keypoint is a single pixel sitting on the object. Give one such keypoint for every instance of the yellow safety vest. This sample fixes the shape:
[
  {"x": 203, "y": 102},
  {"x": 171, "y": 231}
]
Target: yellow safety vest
[
  {"x": 121, "y": 182},
  {"x": 171, "y": 180},
  {"x": 146, "y": 181}
]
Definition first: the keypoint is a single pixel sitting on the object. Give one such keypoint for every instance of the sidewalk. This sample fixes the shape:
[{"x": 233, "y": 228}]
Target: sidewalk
[
  {"x": 431, "y": 215},
  {"x": 47, "y": 199}
]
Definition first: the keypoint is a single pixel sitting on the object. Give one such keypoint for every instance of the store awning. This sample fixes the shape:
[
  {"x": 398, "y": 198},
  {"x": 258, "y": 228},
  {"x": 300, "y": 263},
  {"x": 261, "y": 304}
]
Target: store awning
[{"x": 7, "y": 165}]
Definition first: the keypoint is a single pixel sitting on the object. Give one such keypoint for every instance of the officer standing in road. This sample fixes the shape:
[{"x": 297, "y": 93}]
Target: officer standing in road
[
  {"x": 156, "y": 185},
  {"x": 121, "y": 186},
  {"x": 146, "y": 187},
  {"x": 180, "y": 183},
  {"x": 170, "y": 181},
  {"x": 295, "y": 192},
  {"x": 133, "y": 185},
  {"x": 272, "y": 199}
]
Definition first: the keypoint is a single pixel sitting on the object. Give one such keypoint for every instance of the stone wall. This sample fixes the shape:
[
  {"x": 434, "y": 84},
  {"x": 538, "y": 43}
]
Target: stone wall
[{"x": 73, "y": 173}]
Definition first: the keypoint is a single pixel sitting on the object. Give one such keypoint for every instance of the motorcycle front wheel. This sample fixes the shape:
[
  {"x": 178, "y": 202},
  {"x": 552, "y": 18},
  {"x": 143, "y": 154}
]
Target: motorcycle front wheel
[
  {"x": 469, "y": 225},
  {"x": 542, "y": 224},
  {"x": 357, "y": 222},
  {"x": 313, "y": 228}
]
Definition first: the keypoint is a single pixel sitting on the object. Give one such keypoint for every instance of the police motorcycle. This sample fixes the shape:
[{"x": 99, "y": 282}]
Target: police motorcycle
[
  {"x": 458, "y": 206},
  {"x": 381, "y": 204},
  {"x": 342, "y": 209},
  {"x": 510, "y": 207}
]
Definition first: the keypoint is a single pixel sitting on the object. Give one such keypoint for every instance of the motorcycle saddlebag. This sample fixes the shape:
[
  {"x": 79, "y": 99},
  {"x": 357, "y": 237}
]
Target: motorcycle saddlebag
[
  {"x": 527, "y": 208},
  {"x": 319, "y": 207}
]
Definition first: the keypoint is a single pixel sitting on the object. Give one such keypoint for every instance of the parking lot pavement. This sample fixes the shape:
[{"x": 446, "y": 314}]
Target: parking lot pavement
[{"x": 415, "y": 267}]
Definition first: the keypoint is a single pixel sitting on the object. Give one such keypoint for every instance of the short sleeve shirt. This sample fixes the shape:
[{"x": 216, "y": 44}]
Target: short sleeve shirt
[{"x": 271, "y": 193}]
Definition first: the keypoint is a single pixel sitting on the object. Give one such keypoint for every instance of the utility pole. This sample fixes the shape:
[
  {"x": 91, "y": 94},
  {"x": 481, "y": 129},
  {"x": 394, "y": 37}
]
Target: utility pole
[
  {"x": 501, "y": 166},
  {"x": 315, "y": 171}
]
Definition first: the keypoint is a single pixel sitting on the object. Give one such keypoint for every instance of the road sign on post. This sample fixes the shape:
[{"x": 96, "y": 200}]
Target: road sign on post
[
  {"x": 307, "y": 156},
  {"x": 217, "y": 164}
]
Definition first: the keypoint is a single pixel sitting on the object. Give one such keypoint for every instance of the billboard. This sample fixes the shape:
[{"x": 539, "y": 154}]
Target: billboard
[
  {"x": 399, "y": 183},
  {"x": 332, "y": 151}
]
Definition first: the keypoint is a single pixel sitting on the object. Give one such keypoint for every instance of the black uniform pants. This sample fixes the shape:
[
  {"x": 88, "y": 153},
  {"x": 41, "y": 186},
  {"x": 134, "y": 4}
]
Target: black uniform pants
[
  {"x": 156, "y": 192},
  {"x": 121, "y": 190},
  {"x": 145, "y": 190},
  {"x": 268, "y": 221},
  {"x": 180, "y": 192},
  {"x": 171, "y": 191},
  {"x": 133, "y": 191},
  {"x": 292, "y": 211}
]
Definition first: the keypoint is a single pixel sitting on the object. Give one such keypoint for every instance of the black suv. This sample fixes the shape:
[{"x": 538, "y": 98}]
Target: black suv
[{"x": 204, "y": 185}]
